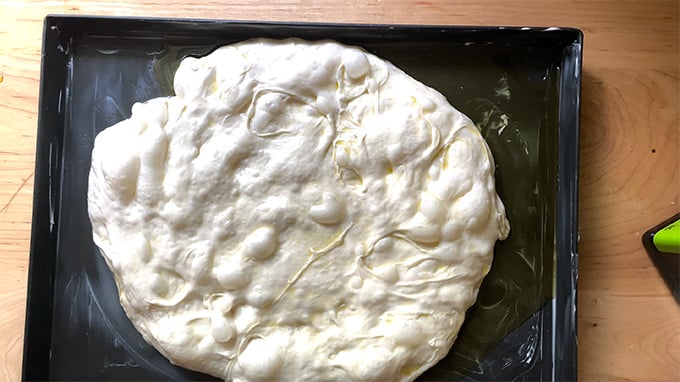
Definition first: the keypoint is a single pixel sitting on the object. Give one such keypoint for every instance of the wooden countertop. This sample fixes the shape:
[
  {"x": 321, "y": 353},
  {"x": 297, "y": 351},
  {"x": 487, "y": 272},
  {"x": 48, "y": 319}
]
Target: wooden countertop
[{"x": 628, "y": 323}]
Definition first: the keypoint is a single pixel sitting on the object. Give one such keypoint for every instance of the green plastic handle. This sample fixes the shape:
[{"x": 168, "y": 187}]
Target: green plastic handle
[{"x": 668, "y": 239}]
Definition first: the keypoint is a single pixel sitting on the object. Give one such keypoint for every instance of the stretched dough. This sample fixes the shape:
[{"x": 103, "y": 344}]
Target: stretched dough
[{"x": 298, "y": 211}]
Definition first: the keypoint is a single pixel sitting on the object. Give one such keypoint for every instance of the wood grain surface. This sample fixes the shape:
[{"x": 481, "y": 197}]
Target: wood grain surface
[{"x": 628, "y": 323}]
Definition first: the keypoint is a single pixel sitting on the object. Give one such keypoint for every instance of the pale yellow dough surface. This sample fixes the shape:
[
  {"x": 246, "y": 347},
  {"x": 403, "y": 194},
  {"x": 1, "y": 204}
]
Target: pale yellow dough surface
[{"x": 298, "y": 211}]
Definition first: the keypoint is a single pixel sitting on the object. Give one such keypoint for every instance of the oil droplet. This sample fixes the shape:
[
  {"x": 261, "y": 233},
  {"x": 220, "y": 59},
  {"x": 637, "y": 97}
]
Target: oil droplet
[{"x": 1, "y": 78}]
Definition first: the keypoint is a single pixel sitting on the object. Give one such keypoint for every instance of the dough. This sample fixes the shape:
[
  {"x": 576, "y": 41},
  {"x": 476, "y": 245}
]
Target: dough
[{"x": 298, "y": 211}]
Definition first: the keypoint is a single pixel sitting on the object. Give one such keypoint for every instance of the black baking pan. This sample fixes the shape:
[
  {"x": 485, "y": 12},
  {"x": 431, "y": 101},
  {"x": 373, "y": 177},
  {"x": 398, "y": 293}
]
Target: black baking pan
[{"x": 521, "y": 86}]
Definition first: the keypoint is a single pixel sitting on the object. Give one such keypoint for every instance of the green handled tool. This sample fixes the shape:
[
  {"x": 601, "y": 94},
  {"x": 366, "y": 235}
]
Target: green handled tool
[
  {"x": 668, "y": 238},
  {"x": 663, "y": 246}
]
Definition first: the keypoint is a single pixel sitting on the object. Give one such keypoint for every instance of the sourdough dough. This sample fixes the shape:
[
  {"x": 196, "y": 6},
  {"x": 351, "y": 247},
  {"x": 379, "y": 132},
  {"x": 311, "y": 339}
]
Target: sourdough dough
[{"x": 298, "y": 211}]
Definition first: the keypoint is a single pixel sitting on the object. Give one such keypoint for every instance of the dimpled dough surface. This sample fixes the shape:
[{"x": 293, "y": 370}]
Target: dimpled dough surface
[{"x": 298, "y": 211}]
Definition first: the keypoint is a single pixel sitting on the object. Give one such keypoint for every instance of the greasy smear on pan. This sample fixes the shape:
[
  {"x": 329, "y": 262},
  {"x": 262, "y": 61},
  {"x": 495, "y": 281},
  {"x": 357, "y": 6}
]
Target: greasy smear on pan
[{"x": 520, "y": 281}]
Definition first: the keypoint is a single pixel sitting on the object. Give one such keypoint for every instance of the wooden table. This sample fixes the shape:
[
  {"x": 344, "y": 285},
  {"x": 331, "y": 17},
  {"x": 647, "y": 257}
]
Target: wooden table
[{"x": 628, "y": 323}]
